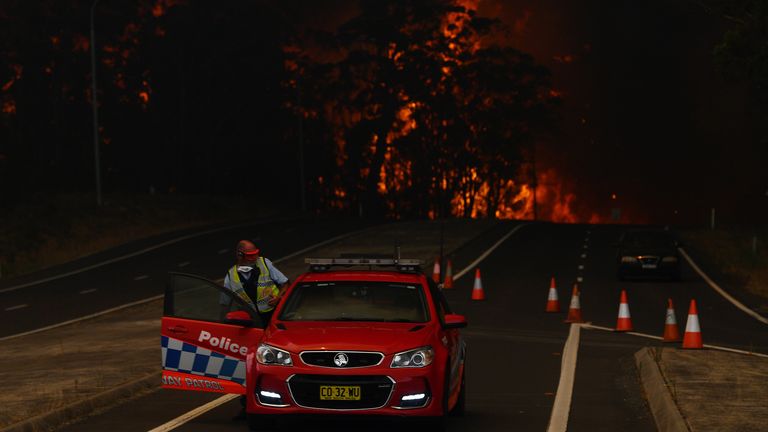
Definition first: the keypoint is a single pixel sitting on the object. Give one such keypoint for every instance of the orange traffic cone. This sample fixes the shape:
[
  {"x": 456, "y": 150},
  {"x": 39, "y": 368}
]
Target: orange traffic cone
[
  {"x": 624, "y": 322},
  {"x": 477, "y": 290},
  {"x": 574, "y": 311},
  {"x": 436, "y": 271},
  {"x": 553, "y": 304},
  {"x": 448, "y": 282},
  {"x": 692, "y": 337},
  {"x": 671, "y": 332}
]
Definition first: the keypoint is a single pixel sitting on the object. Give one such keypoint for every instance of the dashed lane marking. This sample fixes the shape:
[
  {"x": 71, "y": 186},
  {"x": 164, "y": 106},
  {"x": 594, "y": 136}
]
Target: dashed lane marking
[
  {"x": 183, "y": 264},
  {"x": 222, "y": 251},
  {"x": 17, "y": 307},
  {"x": 583, "y": 255},
  {"x": 579, "y": 279},
  {"x": 586, "y": 246},
  {"x": 721, "y": 291},
  {"x": 581, "y": 267},
  {"x": 142, "y": 277},
  {"x": 558, "y": 420},
  {"x": 88, "y": 291}
]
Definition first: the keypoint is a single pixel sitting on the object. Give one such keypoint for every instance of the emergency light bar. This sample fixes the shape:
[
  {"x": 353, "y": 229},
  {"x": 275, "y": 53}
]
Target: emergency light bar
[{"x": 322, "y": 264}]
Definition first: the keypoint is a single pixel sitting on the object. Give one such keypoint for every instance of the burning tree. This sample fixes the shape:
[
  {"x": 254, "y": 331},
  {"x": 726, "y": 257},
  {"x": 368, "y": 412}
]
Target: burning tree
[{"x": 425, "y": 114}]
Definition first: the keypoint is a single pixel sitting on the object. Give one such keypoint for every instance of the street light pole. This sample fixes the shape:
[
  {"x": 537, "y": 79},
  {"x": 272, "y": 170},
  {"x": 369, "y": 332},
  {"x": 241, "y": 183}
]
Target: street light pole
[{"x": 95, "y": 102}]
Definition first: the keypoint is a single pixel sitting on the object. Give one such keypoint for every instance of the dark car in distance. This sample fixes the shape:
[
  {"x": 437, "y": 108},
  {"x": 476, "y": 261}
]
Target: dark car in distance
[{"x": 648, "y": 253}]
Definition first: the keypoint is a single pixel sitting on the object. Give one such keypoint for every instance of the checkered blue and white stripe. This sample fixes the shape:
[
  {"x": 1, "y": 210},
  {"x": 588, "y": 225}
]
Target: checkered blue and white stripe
[{"x": 179, "y": 356}]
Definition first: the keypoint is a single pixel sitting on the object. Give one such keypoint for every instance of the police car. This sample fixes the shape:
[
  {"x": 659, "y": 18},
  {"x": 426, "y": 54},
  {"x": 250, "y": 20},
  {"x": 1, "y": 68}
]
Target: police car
[{"x": 352, "y": 336}]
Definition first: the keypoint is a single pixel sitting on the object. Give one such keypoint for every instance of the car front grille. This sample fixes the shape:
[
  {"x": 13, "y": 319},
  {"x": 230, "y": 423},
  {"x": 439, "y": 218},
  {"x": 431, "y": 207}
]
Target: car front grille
[
  {"x": 341, "y": 359},
  {"x": 375, "y": 391}
]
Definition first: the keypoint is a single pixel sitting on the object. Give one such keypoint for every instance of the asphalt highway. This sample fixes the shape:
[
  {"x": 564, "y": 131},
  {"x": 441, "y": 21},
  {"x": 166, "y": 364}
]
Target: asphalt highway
[
  {"x": 125, "y": 278},
  {"x": 515, "y": 349}
]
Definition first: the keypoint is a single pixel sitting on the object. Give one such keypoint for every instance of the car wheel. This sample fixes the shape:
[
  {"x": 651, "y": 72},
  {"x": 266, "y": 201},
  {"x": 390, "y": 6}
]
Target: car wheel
[
  {"x": 261, "y": 422},
  {"x": 460, "y": 407}
]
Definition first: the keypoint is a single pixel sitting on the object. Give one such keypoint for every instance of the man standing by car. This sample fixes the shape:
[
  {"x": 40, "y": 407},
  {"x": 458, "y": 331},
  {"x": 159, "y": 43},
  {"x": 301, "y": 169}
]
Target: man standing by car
[{"x": 255, "y": 280}]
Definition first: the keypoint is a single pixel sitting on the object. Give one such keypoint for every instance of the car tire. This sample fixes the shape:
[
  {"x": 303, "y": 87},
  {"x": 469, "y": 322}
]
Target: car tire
[
  {"x": 461, "y": 403},
  {"x": 261, "y": 422}
]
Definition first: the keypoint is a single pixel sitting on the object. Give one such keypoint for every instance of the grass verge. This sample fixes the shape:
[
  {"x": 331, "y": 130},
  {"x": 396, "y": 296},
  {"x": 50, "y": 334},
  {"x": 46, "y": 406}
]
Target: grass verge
[{"x": 739, "y": 254}]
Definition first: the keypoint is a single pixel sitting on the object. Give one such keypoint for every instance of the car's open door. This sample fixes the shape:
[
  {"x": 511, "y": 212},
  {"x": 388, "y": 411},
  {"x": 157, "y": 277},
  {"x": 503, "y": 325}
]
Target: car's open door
[{"x": 206, "y": 334}]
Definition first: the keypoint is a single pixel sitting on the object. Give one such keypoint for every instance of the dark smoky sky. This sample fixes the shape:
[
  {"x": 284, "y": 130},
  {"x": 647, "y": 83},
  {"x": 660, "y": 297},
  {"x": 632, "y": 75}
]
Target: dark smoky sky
[{"x": 646, "y": 115}]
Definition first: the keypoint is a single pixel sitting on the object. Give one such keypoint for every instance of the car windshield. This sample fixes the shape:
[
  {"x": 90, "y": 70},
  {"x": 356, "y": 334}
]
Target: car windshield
[
  {"x": 648, "y": 239},
  {"x": 356, "y": 301}
]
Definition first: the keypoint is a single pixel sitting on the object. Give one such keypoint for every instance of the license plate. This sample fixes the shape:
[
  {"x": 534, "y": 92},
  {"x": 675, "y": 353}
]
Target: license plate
[
  {"x": 649, "y": 266},
  {"x": 339, "y": 392}
]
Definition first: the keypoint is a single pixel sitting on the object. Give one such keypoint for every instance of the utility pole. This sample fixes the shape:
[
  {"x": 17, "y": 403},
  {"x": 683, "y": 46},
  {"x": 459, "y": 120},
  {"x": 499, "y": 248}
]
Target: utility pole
[{"x": 95, "y": 102}]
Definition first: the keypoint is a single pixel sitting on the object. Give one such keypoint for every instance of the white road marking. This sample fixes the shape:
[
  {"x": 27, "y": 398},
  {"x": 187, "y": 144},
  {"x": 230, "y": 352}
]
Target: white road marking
[
  {"x": 222, "y": 251},
  {"x": 581, "y": 267},
  {"x": 142, "y": 277},
  {"x": 583, "y": 255},
  {"x": 558, "y": 420},
  {"x": 579, "y": 279},
  {"x": 488, "y": 252},
  {"x": 586, "y": 246},
  {"x": 180, "y": 420},
  {"x": 88, "y": 291},
  {"x": 183, "y": 264},
  {"x": 645, "y": 335},
  {"x": 133, "y": 254},
  {"x": 12, "y": 308},
  {"x": 721, "y": 291}
]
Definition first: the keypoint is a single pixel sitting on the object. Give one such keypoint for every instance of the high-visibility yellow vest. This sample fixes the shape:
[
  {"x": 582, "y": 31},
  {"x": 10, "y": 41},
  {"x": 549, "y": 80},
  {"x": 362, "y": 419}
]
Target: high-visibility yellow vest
[{"x": 265, "y": 287}]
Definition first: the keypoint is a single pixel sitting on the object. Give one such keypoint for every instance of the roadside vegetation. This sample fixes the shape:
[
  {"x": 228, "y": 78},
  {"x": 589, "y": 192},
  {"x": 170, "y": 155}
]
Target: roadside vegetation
[
  {"x": 50, "y": 230},
  {"x": 739, "y": 254}
]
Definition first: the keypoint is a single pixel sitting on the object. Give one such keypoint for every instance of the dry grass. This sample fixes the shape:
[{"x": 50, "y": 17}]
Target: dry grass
[
  {"x": 732, "y": 251},
  {"x": 53, "y": 230}
]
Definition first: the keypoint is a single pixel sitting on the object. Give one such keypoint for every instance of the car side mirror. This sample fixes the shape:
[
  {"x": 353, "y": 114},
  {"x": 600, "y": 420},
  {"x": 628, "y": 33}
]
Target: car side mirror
[
  {"x": 455, "y": 321},
  {"x": 241, "y": 318}
]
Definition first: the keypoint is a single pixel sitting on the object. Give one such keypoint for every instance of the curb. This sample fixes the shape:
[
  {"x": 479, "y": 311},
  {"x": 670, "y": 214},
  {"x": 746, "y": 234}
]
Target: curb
[
  {"x": 56, "y": 418},
  {"x": 665, "y": 411}
]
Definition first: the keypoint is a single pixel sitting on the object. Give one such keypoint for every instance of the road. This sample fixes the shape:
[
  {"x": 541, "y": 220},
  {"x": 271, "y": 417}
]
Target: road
[
  {"x": 515, "y": 348},
  {"x": 131, "y": 272}
]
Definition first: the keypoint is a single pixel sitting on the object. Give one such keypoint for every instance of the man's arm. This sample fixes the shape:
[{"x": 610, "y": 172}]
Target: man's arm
[{"x": 280, "y": 280}]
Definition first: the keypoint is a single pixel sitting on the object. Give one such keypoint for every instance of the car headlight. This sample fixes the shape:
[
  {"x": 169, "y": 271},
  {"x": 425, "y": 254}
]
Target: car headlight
[
  {"x": 669, "y": 259},
  {"x": 269, "y": 355},
  {"x": 414, "y": 358},
  {"x": 628, "y": 259}
]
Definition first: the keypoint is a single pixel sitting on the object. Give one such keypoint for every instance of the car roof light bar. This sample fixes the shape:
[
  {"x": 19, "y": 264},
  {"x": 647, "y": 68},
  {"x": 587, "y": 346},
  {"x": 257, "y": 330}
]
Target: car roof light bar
[{"x": 321, "y": 264}]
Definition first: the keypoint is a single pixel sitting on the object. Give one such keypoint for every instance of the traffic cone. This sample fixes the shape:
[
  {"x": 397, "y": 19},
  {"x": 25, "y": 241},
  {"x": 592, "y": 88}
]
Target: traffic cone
[
  {"x": 574, "y": 311},
  {"x": 553, "y": 304},
  {"x": 624, "y": 322},
  {"x": 671, "y": 332},
  {"x": 477, "y": 290},
  {"x": 692, "y": 337},
  {"x": 448, "y": 282},
  {"x": 436, "y": 271}
]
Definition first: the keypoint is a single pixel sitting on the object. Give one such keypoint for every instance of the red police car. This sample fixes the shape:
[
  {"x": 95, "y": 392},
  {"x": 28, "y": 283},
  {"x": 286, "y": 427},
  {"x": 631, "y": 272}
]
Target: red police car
[{"x": 349, "y": 337}]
